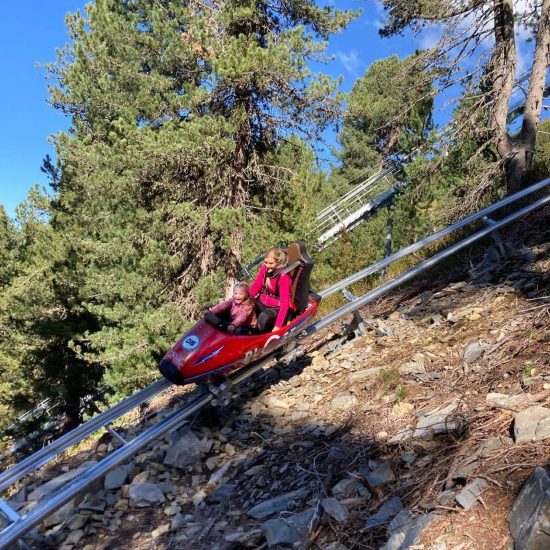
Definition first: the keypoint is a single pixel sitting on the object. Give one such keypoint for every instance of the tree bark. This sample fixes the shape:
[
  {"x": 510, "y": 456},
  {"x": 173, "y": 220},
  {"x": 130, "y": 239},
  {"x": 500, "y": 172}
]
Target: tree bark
[
  {"x": 503, "y": 72},
  {"x": 527, "y": 137}
]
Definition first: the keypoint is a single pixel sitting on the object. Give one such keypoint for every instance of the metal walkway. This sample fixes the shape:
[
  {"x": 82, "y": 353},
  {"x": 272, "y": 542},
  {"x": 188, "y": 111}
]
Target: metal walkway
[
  {"x": 19, "y": 525},
  {"x": 356, "y": 205}
]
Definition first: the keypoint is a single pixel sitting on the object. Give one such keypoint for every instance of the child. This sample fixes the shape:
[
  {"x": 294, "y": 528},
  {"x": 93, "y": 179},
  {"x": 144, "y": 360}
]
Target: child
[{"x": 240, "y": 308}]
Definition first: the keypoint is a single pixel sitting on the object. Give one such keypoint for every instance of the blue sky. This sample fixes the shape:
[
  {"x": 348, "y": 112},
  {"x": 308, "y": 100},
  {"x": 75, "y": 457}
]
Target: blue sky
[{"x": 30, "y": 33}]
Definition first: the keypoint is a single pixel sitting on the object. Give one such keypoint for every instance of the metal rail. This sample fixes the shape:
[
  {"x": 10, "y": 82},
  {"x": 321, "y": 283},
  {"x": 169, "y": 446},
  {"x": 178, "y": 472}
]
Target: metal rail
[
  {"x": 34, "y": 461},
  {"x": 423, "y": 266},
  {"x": 432, "y": 238},
  {"x": 21, "y": 525}
]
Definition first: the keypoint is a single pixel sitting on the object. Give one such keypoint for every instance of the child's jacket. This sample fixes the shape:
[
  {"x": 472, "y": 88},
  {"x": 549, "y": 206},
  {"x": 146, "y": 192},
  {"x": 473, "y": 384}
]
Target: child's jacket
[{"x": 241, "y": 315}]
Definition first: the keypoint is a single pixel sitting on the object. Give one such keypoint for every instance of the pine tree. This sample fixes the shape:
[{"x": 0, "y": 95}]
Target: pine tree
[
  {"x": 181, "y": 112},
  {"x": 388, "y": 115},
  {"x": 478, "y": 46},
  {"x": 388, "y": 118},
  {"x": 41, "y": 321}
]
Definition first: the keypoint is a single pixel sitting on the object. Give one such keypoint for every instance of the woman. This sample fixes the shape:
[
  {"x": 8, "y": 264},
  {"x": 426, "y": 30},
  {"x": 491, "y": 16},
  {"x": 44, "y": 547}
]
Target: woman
[{"x": 272, "y": 290}]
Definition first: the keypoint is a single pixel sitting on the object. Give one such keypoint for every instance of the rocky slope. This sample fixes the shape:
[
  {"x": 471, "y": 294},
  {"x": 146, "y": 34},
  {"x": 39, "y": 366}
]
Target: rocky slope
[{"x": 420, "y": 430}]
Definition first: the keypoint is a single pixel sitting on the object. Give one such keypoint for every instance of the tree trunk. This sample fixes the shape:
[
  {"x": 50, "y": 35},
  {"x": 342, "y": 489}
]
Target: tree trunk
[
  {"x": 517, "y": 151},
  {"x": 524, "y": 147},
  {"x": 503, "y": 72}
]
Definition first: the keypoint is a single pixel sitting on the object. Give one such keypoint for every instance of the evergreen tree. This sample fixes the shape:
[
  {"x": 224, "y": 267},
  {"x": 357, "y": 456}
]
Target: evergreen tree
[
  {"x": 388, "y": 115},
  {"x": 388, "y": 118},
  {"x": 7, "y": 244},
  {"x": 181, "y": 114},
  {"x": 478, "y": 46},
  {"x": 41, "y": 321}
]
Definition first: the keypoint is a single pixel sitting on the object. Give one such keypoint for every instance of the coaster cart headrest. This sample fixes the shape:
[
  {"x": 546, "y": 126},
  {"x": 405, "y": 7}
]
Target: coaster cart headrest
[{"x": 299, "y": 268}]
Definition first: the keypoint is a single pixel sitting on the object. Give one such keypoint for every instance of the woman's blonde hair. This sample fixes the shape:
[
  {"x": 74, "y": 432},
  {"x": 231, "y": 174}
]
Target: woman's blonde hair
[{"x": 278, "y": 254}]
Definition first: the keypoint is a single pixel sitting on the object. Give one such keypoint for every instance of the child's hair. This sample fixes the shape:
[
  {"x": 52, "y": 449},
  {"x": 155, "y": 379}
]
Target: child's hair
[
  {"x": 278, "y": 254},
  {"x": 244, "y": 286}
]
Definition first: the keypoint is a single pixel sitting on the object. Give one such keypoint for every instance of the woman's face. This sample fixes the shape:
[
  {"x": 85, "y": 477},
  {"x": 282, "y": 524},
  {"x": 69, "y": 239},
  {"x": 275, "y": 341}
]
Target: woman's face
[{"x": 270, "y": 262}]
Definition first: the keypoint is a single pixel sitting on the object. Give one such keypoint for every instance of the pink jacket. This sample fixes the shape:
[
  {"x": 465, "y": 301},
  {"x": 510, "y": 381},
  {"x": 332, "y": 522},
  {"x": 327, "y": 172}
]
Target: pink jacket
[
  {"x": 280, "y": 288},
  {"x": 241, "y": 315}
]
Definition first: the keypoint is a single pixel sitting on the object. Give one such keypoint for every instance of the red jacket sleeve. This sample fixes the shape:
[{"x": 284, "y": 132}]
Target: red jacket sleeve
[
  {"x": 222, "y": 307},
  {"x": 285, "y": 284},
  {"x": 256, "y": 287}
]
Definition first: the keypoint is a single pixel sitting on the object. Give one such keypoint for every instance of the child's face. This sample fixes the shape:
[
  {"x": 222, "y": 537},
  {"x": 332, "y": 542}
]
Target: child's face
[
  {"x": 240, "y": 295},
  {"x": 270, "y": 262}
]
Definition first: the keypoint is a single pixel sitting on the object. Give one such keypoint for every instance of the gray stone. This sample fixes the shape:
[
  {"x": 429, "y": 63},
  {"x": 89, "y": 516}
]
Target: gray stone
[
  {"x": 74, "y": 537},
  {"x": 412, "y": 368},
  {"x": 445, "y": 498},
  {"x": 469, "y": 495},
  {"x": 19, "y": 500},
  {"x": 346, "y": 487},
  {"x": 426, "y": 296},
  {"x": 61, "y": 514},
  {"x": 168, "y": 487},
  {"x": 274, "y": 403},
  {"x": 184, "y": 449},
  {"x": 278, "y": 504},
  {"x": 381, "y": 475},
  {"x": 473, "y": 352},
  {"x": 178, "y": 521},
  {"x": 437, "y": 421},
  {"x": 94, "y": 502},
  {"x": 76, "y": 522},
  {"x": 291, "y": 530},
  {"x": 160, "y": 530},
  {"x": 401, "y": 435},
  {"x": 344, "y": 401},
  {"x": 145, "y": 494},
  {"x": 172, "y": 509},
  {"x": 224, "y": 492},
  {"x": 362, "y": 374},
  {"x": 429, "y": 376},
  {"x": 405, "y": 529},
  {"x": 248, "y": 538},
  {"x": 115, "y": 479},
  {"x": 335, "y": 546},
  {"x": 58, "y": 481},
  {"x": 390, "y": 509},
  {"x": 335, "y": 510},
  {"x": 532, "y": 424},
  {"x": 530, "y": 515},
  {"x": 295, "y": 381},
  {"x": 218, "y": 475},
  {"x": 503, "y": 401}
]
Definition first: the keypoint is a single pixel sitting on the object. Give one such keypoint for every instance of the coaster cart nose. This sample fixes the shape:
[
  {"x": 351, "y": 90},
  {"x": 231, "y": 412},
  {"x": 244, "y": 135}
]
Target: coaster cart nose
[{"x": 171, "y": 372}]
